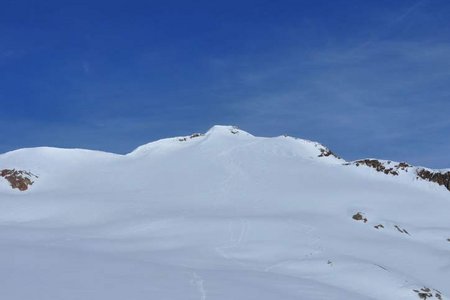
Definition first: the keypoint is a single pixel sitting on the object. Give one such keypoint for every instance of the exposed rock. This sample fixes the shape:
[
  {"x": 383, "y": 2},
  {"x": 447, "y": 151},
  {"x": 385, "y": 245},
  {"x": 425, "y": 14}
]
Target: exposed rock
[
  {"x": 381, "y": 167},
  {"x": 437, "y": 177},
  {"x": 404, "y": 166},
  {"x": 194, "y": 135},
  {"x": 379, "y": 226},
  {"x": 359, "y": 217},
  {"x": 425, "y": 293},
  {"x": 325, "y": 152},
  {"x": 402, "y": 230},
  {"x": 389, "y": 168},
  {"x": 18, "y": 179},
  {"x": 234, "y": 130}
]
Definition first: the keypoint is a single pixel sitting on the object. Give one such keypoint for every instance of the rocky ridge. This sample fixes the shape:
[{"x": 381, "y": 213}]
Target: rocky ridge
[{"x": 441, "y": 178}]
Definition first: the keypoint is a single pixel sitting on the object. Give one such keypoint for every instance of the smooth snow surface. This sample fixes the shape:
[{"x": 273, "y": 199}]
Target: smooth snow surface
[{"x": 224, "y": 215}]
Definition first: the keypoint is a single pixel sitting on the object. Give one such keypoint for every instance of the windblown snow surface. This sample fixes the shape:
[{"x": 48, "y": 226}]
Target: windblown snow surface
[{"x": 224, "y": 215}]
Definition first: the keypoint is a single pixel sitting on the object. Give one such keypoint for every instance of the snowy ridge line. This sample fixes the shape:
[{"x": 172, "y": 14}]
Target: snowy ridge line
[{"x": 230, "y": 135}]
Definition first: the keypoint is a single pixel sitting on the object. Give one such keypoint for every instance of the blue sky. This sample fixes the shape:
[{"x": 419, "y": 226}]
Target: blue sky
[{"x": 365, "y": 78}]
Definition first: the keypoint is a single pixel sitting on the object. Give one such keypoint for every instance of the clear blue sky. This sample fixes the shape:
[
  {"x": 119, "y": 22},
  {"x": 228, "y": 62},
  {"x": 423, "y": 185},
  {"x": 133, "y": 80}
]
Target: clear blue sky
[{"x": 366, "y": 78}]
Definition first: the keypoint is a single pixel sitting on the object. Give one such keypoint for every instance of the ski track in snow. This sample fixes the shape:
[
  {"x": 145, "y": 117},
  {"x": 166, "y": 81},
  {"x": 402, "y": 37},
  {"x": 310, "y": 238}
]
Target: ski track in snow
[{"x": 199, "y": 284}]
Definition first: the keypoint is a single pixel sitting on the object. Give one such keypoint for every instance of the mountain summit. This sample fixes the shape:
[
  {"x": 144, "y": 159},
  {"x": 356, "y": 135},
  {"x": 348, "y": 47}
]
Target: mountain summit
[{"x": 221, "y": 215}]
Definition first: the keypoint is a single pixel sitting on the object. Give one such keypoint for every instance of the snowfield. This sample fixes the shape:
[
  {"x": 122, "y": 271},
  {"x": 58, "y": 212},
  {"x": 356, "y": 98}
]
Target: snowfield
[{"x": 224, "y": 215}]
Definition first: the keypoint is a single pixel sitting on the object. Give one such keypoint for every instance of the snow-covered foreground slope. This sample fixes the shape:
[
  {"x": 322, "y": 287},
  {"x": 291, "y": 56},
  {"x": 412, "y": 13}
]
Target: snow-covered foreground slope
[{"x": 224, "y": 215}]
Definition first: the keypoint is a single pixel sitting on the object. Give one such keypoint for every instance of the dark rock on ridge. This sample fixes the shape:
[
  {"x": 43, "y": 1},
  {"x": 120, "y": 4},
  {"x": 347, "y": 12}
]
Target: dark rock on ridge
[
  {"x": 391, "y": 168},
  {"x": 437, "y": 177}
]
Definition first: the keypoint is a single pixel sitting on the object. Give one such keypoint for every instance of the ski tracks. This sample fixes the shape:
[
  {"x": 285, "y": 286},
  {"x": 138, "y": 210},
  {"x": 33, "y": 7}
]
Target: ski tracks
[{"x": 198, "y": 282}]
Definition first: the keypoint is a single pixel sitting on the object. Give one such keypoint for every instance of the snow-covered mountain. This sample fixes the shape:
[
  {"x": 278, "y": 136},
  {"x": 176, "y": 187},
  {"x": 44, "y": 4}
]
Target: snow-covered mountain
[{"x": 222, "y": 215}]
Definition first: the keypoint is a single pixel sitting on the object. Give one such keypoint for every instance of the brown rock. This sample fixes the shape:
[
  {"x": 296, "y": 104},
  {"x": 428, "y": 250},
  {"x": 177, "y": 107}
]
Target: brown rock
[
  {"x": 18, "y": 179},
  {"x": 437, "y": 177},
  {"x": 325, "y": 152},
  {"x": 359, "y": 217}
]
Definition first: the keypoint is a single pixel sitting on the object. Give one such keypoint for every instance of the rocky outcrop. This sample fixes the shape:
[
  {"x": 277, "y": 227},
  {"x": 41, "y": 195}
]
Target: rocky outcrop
[
  {"x": 234, "y": 130},
  {"x": 437, "y": 177},
  {"x": 401, "y": 230},
  {"x": 325, "y": 152},
  {"x": 195, "y": 135},
  {"x": 192, "y": 136},
  {"x": 359, "y": 217},
  {"x": 388, "y": 168},
  {"x": 18, "y": 179},
  {"x": 425, "y": 293},
  {"x": 392, "y": 168}
]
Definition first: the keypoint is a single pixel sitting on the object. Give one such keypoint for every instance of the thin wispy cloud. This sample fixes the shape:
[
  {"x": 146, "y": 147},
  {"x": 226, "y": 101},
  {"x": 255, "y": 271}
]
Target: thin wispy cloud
[
  {"x": 390, "y": 25},
  {"x": 366, "y": 79},
  {"x": 378, "y": 97}
]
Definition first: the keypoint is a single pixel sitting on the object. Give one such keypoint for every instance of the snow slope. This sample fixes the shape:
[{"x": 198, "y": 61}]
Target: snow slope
[{"x": 224, "y": 215}]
